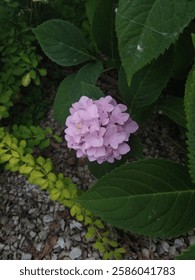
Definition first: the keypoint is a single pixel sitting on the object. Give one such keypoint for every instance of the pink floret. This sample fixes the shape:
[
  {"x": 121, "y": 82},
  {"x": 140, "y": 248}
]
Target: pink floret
[{"x": 99, "y": 129}]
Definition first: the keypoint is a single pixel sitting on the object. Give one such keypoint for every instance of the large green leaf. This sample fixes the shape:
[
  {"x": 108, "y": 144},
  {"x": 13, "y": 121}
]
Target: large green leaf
[
  {"x": 60, "y": 102},
  {"x": 189, "y": 103},
  {"x": 173, "y": 107},
  {"x": 146, "y": 28},
  {"x": 75, "y": 86},
  {"x": 147, "y": 84},
  {"x": 91, "y": 91},
  {"x": 181, "y": 61},
  {"x": 90, "y": 6},
  {"x": 103, "y": 29},
  {"x": 62, "y": 42},
  {"x": 188, "y": 254},
  {"x": 153, "y": 197}
]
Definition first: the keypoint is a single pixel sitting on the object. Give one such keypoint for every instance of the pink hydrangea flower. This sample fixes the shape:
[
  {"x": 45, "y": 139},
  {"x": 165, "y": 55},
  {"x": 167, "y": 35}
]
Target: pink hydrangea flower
[{"x": 99, "y": 129}]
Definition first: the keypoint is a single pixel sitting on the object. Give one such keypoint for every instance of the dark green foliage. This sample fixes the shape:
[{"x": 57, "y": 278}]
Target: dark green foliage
[
  {"x": 152, "y": 197},
  {"x": 33, "y": 135},
  {"x": 155, "y": 41},
  {"x": 18, "y": 58},
  {"x": 146, "y": 87},
  {"x": 189, "y": 102},
  {"x": 63, "y": 42},
  {"x": 173, "y": 107},
  {"x": 75, "y": 86},
  {"x": 145, "y": 29},
  {"x": 188, "y": 254}
]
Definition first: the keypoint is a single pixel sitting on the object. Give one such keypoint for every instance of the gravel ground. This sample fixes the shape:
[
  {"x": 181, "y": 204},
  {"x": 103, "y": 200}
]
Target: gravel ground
[{"x": 33, "y": 227}]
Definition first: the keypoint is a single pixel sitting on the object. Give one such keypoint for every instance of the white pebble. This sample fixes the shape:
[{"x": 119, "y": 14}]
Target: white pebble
[
  {"x": 61, "y": 242},
  {"x": 26, "y": 256},
  {"x": 75, "y": 253},
  {"x": 48, "y": 218},
  {"x": 145, "y": 253}
]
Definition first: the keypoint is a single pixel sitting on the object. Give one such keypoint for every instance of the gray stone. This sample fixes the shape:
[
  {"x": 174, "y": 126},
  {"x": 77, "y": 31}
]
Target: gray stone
[
  {"x": 62, "y": 224},
  {"x": 4, "y": 220},
  {"x": 32, "y": 234},
  {"x": 48, "y": 218},
  {"x": 1, "y": 246},
  {"x": 43, "y": 235},
  {"x": 61, "y": 242},
  {"x": 96, "y": 255},
  {"x": 192, "y": 240},
  {"x": 179, "y": 242},
  {"x": 26, "y": 256},
  {"x": 75, "y": 253},
  {"x": 39, "y": 246},
  {"x": 75, "y": 224},
  {"x": 165, "y": 246},
  {"x": 172, "y": 250},
  {"x": 145, "y": 253},
  {"x": 68, "y": 242},
  {"x": 77, "y": 237}
]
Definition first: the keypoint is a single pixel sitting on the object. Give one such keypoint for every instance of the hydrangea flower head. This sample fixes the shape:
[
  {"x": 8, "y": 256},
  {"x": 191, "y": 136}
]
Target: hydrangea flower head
[{"x": 99, "y": 129}]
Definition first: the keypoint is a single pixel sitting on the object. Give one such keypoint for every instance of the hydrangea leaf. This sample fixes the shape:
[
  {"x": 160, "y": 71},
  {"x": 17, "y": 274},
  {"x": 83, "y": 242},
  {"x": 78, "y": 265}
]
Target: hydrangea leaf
[
  {"x": 146, "y": 87},
  {"x": 90, "y": 6},
  {"x": 62, "y": 42},
  {"x": 153, "y": 197},
  {"x": 146, "y": 28},
  {"x": 104, "y": 33},
  {"x": 60, "y": 107},
  {"x": 188, "y": 254},
  {"x": 91, "y": 90},
  {"x": 189, "y": 104},
  {"x": 173, "y": 107},
  {"x": 72, "y": 88}
]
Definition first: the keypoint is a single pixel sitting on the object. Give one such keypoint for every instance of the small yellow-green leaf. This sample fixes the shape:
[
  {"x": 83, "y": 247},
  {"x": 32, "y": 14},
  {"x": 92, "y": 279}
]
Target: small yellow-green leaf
[
  {"x": 7, "y": 139},
  {"x": 15, "y": 154},
  {"x": 23, "y": 144},
  {"x": 5, "y": 157},
  {"x": 99, "y": 224},
  {"x": 44, "y": 186},
  {"x": 47, "y": 166},
  {"x": 117, "y": 255},
  {"x": 14, "y": 146},
  {"x": 75, "y": 210},
  {"x": 37, "y": 81},
  {"x": 52, "y": 177},
  {"x": 14, "y": 161},
  {"x": 32, "y": 74},
  {"x": 39, "y": 182},
  {"x": 66, "y": 194},
  {"x": 107, "y": 255},
  {"x": 88, "y": 220},
  {"x": 40, "y": 161},
  {"x": 26, "y": 79},
  {"x": 3, "y": 151},
  {"x": 68, "y": 203},
  {"x": 28, "y": 159},
  {"x": 90, "y": 232},
  {"x": 42, "y": 72},
  {"x": 120, "y": 250},
  {"x": 36, "y": 174},
  {"x": 55, "y": 194},
  {"x": 59, "y": 184},
  {"x": 99, "y": 246},
  {"x": 113, "y": 244},
  {"x": 80, "y": 218},
  {"x": 24, "y": 169}
]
